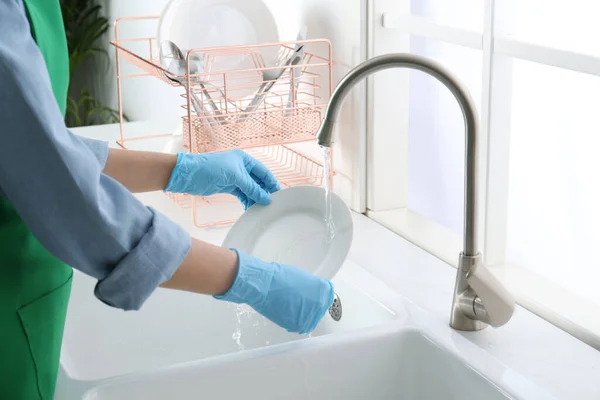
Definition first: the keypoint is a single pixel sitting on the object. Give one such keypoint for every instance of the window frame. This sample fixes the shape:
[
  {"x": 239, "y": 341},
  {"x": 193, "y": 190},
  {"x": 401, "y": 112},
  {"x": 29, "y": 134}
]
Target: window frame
[{"x": 560, "y": 307}]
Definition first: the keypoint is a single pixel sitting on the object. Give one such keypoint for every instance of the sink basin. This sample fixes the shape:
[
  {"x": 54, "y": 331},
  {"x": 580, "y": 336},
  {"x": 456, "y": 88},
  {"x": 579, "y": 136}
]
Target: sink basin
[
  {"x": 400, "y": 363},
  {"x": 177, "y": 327},
  {"x": 183, "y": 346}
]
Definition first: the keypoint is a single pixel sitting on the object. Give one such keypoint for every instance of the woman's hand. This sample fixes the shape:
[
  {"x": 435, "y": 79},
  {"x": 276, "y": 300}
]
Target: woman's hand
[
  {"x": 288, "y": 296},
  {"x": 233, "y": 172}
]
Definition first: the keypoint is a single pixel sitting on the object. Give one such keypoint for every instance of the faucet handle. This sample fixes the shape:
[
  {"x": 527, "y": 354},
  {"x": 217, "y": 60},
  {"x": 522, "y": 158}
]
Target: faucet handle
[{"x": 493, "y": 304}]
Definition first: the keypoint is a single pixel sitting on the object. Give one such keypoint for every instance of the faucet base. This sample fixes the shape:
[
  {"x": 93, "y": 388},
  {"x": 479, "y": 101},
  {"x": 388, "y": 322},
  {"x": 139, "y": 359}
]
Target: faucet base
[
  {"x": 467, "y": 325},
  {"x": 464, "y": 315}
]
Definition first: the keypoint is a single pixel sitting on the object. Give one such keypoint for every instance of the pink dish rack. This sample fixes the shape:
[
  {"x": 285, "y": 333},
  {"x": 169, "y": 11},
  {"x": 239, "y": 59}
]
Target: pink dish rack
[{"x": 280, "y": 132}]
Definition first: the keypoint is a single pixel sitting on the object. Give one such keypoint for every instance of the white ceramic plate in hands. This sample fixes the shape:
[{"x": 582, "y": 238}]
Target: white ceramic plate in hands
[
  {"x": 202, "y": 24},
  {"x": 292, "y": 230}
]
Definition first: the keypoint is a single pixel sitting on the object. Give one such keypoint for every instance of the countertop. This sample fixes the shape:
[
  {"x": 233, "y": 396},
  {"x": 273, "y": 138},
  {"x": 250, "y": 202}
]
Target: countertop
[{"x": 546, "y": 355}]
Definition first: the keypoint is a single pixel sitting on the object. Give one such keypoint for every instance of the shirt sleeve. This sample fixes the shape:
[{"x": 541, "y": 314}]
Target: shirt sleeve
[
  {"x": 54, "y": 180},
  {"x": 98, "y": 147}
]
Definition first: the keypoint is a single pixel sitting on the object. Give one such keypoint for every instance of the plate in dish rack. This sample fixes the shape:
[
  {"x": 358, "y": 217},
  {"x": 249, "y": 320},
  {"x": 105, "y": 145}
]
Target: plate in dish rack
[
  {"x": 292, "y": 230},
  {"x": 204, "y": 24}
]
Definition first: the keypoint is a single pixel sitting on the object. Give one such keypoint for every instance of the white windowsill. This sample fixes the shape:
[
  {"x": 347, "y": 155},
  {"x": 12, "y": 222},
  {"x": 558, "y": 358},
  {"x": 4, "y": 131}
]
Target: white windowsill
[
  {"x": 564, "y": 309},
  {"x": 422, "y": 232}
]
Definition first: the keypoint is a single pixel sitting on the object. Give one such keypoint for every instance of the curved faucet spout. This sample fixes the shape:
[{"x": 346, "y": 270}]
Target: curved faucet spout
[
  {"x": 477, "y": 301},
  {"x": 369, "y": 67}
]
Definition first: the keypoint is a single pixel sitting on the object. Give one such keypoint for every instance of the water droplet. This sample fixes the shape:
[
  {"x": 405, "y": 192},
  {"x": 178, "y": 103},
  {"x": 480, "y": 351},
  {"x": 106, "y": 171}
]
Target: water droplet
[{"x": 237, "y": 335}]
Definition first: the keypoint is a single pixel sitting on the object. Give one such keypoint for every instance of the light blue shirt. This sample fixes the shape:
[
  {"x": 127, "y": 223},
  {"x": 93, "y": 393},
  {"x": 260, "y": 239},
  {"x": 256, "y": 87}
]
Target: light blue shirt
[{"x": 54, "y": 180}]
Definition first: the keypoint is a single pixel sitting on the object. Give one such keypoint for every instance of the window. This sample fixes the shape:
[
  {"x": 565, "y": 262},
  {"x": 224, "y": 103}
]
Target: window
[
  {"x": 533, "y": 69},
  {"x": 565, "y": 25},
  {"x": 554, "y": 189},
  {"x": 436, "y": 133}
]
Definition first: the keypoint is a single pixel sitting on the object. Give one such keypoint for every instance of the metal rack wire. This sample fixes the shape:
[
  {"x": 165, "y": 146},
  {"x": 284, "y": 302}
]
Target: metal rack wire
[{"x": 290, "y": 111}]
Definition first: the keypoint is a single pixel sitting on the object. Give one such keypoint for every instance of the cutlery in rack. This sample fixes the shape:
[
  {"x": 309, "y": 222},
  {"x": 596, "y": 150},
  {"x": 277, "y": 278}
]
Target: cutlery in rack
[
  {"x": 297, "y": 72},
  {"x": 172, "y": 59},
  {"x": 285, "y": 58}
]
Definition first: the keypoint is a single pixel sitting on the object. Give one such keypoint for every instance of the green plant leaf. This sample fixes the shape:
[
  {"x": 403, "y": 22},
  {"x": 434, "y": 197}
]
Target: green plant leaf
[
  {"x": 85, "y": 26},
  {"x": 88, "y": 111}
]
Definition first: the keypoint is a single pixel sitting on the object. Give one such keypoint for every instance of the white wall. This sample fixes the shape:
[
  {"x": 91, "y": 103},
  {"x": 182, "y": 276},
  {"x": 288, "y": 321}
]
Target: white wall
[{"x": 143, "y": 98}]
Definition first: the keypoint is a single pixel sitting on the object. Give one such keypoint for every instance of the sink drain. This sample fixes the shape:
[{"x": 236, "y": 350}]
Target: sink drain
[{"x": 336, "y": 308}]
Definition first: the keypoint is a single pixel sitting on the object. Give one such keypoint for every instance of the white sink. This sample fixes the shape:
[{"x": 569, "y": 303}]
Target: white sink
[
  {"x": 176, "y": 327},
  {"x": 182, "y": 346},
  {"x": 380, "y": 363}
]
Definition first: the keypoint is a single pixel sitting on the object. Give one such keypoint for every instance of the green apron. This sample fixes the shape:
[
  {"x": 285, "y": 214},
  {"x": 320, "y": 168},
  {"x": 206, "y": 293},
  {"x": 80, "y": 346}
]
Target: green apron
[{"x": 34, "y": 285}]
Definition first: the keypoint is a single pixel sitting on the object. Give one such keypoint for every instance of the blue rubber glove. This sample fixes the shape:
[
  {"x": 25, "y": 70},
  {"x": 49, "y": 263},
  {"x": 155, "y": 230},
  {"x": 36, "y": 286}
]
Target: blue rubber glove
[
  {"x": 232, "y": 172},
  {"x": 288, "y": 296}
]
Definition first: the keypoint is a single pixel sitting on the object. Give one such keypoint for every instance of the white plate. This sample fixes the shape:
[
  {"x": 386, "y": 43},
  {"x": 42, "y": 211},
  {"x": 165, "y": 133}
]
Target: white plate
[
  {"x": 200, "y": 24},
  {"x": 292, "y": 230}
]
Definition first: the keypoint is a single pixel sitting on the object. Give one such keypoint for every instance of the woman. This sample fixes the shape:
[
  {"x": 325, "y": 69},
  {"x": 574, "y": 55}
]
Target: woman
[{"x": 66, "y": 202}]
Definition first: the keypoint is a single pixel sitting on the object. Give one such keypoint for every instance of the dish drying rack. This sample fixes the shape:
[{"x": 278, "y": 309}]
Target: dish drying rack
[{"x": 277, "y": 132}]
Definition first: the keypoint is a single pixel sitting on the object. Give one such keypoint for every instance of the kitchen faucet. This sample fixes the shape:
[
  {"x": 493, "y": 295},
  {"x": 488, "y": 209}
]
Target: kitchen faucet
[{"x": 479, "y": 298}]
